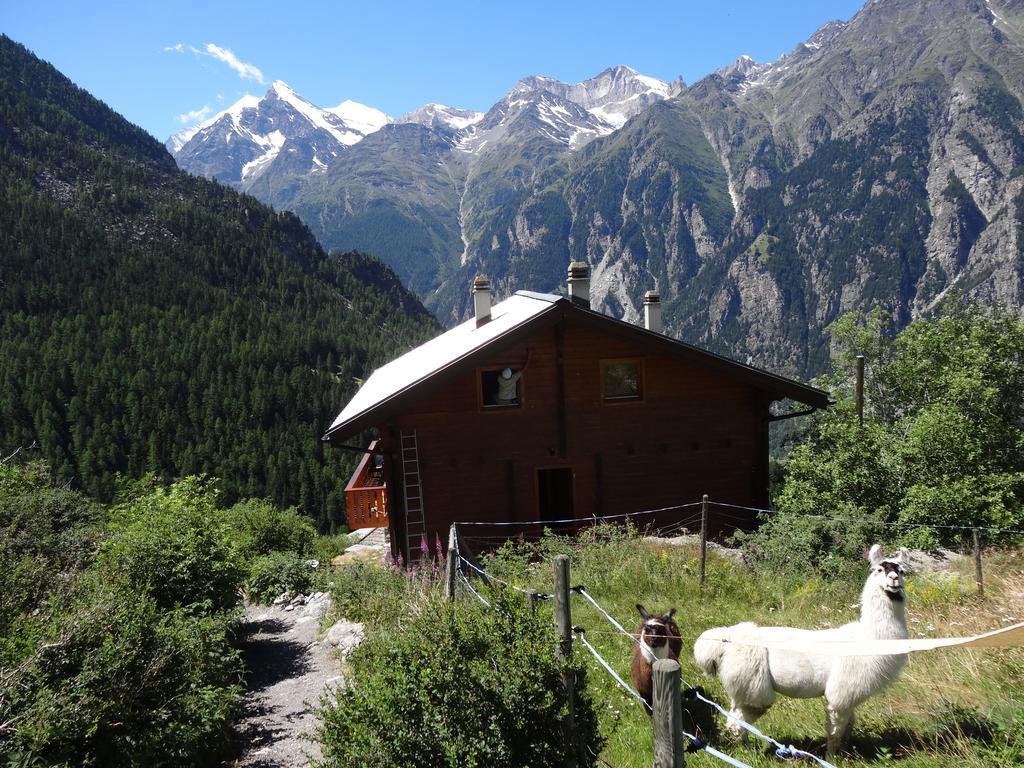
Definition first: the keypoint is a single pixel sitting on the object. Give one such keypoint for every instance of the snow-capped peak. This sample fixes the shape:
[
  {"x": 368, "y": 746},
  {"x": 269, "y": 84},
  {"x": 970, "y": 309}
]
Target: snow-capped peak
[
  {"x": 443, "y": 117},
  {"x": 613, "y": 96},
  {"x": 182, "y": 137},
  {"x": 362, "y": 118},
  {"x": 345, "y": 131}
]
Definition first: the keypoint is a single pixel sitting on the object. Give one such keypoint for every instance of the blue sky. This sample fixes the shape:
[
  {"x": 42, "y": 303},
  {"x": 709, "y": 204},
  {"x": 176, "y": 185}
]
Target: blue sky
[{"x": 160, "y": 62}]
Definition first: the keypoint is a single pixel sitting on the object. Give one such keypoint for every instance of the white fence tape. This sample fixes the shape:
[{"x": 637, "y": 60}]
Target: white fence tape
[{"x": 803, "y": 641}]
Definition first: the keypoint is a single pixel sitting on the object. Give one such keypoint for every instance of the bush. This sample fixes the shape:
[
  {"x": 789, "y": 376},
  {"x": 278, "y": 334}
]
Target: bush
[
  {"x": 940, "y": 446},
  {"x": 371, "y": 593},
  {"x": 326, "y": 548},
  {"x": 108, "y": 678},
  {"x": 833, "y": 547},
  {"x": 458, "y": 686},
  {"x": 59, "y": 526},
  {"x": 276, "y": 573},
  {"x": 172, "y": 545},
  {"x": 261, "y": 528}
]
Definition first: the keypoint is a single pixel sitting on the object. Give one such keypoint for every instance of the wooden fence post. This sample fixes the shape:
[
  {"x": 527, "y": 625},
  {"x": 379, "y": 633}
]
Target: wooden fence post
[
  {"x": 703, "y": 537},
  {"x": 452, "y": 564},
  {"x": 978, "y": 577},
  {"x": 667, "y": 717},
  {"x": 563, "y": 620}
]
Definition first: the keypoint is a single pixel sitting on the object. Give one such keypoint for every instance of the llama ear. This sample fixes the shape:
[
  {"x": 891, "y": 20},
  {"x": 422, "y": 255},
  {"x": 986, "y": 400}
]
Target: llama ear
[
  {"x": 875, "y": 555},
  {"x": 643, "y": 612},
  {"x": 903, "y": 557},
  {"x": 668, "y": 616}
]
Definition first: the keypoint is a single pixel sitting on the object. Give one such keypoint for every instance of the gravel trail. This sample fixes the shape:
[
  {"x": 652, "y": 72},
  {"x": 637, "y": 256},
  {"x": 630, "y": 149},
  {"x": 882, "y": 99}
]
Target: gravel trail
[{"x": 289, "y": 664}]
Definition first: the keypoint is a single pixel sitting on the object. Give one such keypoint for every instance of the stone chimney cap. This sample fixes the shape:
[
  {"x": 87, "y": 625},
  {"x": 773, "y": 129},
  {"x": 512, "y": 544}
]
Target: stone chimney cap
[
  {"x": 652, "y": 297},
  {"x": 481, "y": 283},
  {"x": 579, "y": 269}
]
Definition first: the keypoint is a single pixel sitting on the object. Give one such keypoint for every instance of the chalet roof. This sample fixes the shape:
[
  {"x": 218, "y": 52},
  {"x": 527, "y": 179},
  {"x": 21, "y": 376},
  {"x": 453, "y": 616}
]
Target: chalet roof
[{"x": 406, "y": 378}]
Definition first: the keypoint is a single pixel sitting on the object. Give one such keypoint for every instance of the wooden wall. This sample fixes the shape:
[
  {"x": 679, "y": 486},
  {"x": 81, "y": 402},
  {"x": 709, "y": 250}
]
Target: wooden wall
[{"x": 694, "y": 432}]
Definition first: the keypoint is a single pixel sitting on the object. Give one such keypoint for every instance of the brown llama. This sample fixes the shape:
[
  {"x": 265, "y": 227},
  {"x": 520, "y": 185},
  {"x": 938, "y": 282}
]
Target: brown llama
[{"x": 657, "y": 638}]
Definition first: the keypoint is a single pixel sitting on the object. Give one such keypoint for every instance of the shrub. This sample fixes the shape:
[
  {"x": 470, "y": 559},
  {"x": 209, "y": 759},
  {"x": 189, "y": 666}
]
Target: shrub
[
  {"x": 276, "y": 573},
  {"x": 370, "y": 593},
  {"x": 326, "y": 548},
  {"x": 261, "y": 528},
  {"x": 172, "y": 544},
  {"x": 59, "y": 526},
  {"x": 833, "y": 547},
  {"x": 47, "y": 534},
  {"x": 940, "y": 443},
  {"x": 458, "y": 686},
  {"x": 111, "y": 679}
]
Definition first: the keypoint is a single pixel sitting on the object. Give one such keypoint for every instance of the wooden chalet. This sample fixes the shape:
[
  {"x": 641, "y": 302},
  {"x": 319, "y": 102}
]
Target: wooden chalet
[{"x": 539, "y": 408}]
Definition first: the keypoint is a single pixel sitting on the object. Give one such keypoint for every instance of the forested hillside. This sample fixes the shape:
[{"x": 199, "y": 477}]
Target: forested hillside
[{"x": 153, "y": 321}]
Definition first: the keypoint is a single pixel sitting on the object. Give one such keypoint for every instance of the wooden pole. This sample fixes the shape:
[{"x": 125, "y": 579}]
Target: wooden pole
[
  {"x": 703, "y": 537},
  {"x": 452, "y": 564},
  {"x": 667, "y": 717},
  {"x": 978, "y": 577},
  {"x": 860, "y": 390},
  {"x": 563, "y": 620}
]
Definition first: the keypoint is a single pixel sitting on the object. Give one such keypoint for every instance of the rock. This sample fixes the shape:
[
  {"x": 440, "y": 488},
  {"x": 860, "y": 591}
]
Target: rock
[
  {"x": 314, "y": 564},
  {"x": 284, "y": 597},
  {"x": 345, "y": 636}
]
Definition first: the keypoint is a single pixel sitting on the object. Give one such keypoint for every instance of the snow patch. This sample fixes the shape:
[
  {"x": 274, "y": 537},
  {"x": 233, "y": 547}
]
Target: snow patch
[
  {"x": 996, "y": 18},
  {"x": 273, "y": 142}
]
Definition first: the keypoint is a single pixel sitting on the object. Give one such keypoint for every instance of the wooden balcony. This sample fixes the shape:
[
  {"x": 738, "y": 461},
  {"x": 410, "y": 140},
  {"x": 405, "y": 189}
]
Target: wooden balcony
[{"x": 366, "y": 495}]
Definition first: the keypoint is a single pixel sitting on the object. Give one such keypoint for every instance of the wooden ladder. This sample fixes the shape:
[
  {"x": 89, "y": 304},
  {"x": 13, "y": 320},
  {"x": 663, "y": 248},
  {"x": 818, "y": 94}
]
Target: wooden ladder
[{"x": 412, "y": 489}]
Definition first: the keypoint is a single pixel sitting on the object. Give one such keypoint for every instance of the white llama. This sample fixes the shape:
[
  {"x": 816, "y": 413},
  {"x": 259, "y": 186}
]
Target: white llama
[{"x": 752, "y": 674}]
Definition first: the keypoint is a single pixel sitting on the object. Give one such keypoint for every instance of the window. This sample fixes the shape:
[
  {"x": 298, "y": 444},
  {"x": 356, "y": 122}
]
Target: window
[
  {"x": 501, "y": 388},
  {"x": 621, "y": 380}
]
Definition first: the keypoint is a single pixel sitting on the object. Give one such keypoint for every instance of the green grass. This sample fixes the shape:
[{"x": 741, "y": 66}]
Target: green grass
[{"x": 966, "y": 706}]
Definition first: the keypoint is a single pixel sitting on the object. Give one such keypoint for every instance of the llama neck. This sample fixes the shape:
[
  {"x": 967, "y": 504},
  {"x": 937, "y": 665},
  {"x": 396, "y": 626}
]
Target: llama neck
[{"x": 881, "y": 616}]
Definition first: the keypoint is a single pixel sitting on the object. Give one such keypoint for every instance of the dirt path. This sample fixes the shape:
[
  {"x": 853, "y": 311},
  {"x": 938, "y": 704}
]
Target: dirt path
[{"x": 289, "y": 665}]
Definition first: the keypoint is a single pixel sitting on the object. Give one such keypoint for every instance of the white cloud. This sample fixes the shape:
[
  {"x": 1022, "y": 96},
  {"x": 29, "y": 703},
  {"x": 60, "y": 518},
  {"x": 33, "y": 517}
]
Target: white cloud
[
  {"x": 179, "y": 48},
  {"x": 196, "y": 115},
  {"x": 245, "y": 71}
]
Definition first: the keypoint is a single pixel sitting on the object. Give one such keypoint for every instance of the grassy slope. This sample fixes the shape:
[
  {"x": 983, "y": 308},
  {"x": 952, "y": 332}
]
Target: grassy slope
[{"x": 948, "y": 705}]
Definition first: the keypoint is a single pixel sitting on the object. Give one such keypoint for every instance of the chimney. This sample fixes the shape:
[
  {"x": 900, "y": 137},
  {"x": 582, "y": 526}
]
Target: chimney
[
  {"x": 652, "y": 312},
  {"x": 481, "y": 299},
  {"x": 579, "y": 284}
]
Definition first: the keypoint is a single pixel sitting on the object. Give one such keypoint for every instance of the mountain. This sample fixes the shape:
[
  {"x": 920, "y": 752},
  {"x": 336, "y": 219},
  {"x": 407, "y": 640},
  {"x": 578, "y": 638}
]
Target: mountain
[
  {"x": 154, "y": 321},
  {"x": 877, "y": 164},
  {"x": 281, "y": 134},
  {"x": 874, "y": 166},
  {"x": 442, "y": 118},
  {"x": 427, "y": 192}
]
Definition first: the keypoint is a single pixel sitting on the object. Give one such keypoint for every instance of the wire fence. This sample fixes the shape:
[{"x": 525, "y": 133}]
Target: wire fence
[
  {"x": 719, "y": 507},
  {"x": 738, "y": 515},
  {"x": 716, "y": 516},
  {"x": 696, "y": 743}
]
